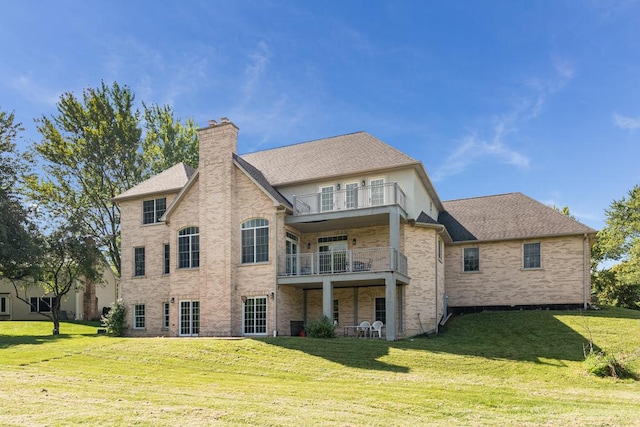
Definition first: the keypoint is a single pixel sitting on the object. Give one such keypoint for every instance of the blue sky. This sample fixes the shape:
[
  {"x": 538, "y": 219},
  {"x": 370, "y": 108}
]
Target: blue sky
[{"x": 541, "y": 97}]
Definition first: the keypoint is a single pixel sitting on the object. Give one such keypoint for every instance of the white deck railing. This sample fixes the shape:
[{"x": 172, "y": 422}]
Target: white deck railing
[
  {"x": 342, "y": 261},
  {"x": 331, "y": 200}
]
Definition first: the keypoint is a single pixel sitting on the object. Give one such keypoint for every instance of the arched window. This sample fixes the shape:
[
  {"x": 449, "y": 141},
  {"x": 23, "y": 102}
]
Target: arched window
[
  {"x": 189, "y": 247},
  {"x": 255, "y": 241}
]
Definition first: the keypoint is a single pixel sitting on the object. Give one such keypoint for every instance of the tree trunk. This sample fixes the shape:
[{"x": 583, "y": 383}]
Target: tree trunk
[{"x": 56, "y": 324}]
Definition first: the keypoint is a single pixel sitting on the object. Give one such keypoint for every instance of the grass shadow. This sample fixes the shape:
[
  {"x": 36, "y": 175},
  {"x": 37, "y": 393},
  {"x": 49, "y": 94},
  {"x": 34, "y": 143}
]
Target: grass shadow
[
  {"x": 535, "y": 336},
  {"x": 14, "y": 333},
  {"x": 352, "y": 352}
]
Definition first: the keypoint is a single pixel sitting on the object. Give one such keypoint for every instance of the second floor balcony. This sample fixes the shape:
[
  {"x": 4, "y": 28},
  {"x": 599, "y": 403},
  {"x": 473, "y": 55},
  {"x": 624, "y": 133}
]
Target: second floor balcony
[
  {"x": 343, "y": 261},
  {"x": 354, "y": 196}
]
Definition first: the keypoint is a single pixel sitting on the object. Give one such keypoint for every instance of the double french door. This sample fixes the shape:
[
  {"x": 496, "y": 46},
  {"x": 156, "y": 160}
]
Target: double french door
[
  {"x": 332, "y": 257},
  {"x": 254, "y": 316},
  {"x": 189, "y": 318}
]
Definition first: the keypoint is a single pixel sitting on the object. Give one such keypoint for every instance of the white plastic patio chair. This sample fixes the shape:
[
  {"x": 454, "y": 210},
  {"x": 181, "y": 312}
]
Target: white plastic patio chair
[
  {"x": 364, "y": 327},
  {"x": 377, "y": 327}
]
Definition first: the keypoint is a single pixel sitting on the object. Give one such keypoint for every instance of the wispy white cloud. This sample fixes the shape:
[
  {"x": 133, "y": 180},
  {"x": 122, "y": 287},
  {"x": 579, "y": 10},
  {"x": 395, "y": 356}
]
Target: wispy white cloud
[
  {"x": 497, "y": 146},
  {"x": 254, "y": 70},
  {"x": 625, "y": 122},
  {"x": 34, "y": 92}
]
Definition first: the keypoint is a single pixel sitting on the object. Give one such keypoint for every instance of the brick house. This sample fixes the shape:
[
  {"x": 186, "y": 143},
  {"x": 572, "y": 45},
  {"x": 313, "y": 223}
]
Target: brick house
[{"x": 347, "y": 227}]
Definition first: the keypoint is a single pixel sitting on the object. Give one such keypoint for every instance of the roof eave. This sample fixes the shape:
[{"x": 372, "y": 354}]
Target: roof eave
[
  {"x": 124, "y": 197},
  {"x": 592, "y": 233}
]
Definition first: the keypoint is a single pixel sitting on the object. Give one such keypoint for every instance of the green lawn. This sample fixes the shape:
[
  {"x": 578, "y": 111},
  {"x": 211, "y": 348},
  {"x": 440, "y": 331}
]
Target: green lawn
[{"x": 510, "y": 368}]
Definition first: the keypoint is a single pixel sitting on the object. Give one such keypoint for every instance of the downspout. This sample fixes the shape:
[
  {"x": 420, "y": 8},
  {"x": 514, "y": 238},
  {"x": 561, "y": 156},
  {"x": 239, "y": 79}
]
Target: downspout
[
  {"x": 436, "y": 270},
  {"x": 584, "y": 270},
  {"x": 275, "y": 279}
]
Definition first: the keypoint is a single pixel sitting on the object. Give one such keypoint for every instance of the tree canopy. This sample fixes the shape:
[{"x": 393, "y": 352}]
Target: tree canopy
[
  {"x": 98, "y": 146},
  {"x": 619, "y": 241},
  {"x": 18, "y": 235}
]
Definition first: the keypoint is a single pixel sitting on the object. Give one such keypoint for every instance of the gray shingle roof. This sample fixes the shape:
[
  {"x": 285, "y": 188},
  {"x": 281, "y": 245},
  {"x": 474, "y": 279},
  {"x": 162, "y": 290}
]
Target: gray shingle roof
[
  {"x": 504, "y": 217},
  {"x": 173, "y": 179},
  {"x": 260, "y": 179},
  {"x": 323, "y": 158},
  {"x": 423, "y": 218}
]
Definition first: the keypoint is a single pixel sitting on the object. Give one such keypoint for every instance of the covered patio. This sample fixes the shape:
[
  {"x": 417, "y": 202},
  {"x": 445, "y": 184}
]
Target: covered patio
[{"x": 349, "y": 298}]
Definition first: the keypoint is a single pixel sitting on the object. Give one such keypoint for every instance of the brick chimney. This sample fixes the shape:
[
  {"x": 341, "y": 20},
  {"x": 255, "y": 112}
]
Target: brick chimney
[{"x": 218, "y": 143}]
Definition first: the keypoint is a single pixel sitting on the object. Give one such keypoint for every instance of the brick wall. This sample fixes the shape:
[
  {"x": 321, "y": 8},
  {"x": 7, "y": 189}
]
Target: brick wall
[{"x": 502, "y": 280}]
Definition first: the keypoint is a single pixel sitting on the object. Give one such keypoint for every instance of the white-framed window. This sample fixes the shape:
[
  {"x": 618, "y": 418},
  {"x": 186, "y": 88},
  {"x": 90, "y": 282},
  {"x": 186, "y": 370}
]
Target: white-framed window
[
  {"x": 41, "y": 304},
  {"x": 152, "y": 210},
  {"x": 336, "y": 312},
  {"x": 139, "y": 268},
  {"x": 189, "y": 318},
  {"x": 254, "y": 316},
  {"x": 376, "y": 188},
  {"x": 292, "y": 250},
  {"x": 381, "y": 310},
  {"x": 439, "y": 249},
  {"x": 351, "y": 195},
  {"x": 4, "y": 304},
  {"x": 139, "y": 316},
  {"x": 471, "y": 259},
  {"x": 166, "y": 259},
  {"x": 165, "y": 315},
  {"x": 326, "y": 198},
  {"x": 189, "y": 247},
  {"x": 531, "y": 256},
  {"x": 255, "y": 241}
]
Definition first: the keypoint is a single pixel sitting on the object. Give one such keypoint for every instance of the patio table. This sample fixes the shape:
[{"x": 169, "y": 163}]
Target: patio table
[{"x": 349, "y": 328}]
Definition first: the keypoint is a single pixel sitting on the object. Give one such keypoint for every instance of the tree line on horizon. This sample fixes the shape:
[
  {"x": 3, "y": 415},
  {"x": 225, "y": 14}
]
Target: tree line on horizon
[{"x": 61, "y": 226}]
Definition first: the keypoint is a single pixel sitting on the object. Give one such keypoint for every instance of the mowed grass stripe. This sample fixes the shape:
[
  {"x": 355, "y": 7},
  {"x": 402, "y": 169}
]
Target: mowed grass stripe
[{"x": 516, "y": 368}]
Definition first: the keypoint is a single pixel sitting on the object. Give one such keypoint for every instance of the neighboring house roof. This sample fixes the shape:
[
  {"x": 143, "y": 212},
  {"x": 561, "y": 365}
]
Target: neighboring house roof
[
  {"x": 324, "y": 158},
  {"x": 173, "y": 179},
  {"x": 259, "y": 178},
  {"x": 505, "y": 217}
]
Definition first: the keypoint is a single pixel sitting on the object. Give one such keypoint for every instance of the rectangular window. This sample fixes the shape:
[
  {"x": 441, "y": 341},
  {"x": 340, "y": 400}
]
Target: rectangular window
[
  {"x": 531, "y": 255},
  {"x": 167, "y": 259},
  {"x": 139, "y": 264},
  {"x": 336, "y": 312},
  {"x": 4, "y": 306},
  {"x": 381, "y": 310},
  {"x": 376, "y": 186},
  {"x": 138, "y": 316},
  {"x": 351, "y": 196},
  {"x": 152, "y": 210},
  {"x": 326, "y": 199},
  {"x": 439, "y": 249},
  {"x": 165, "y": 315},
  {"x": 255, "y": 316},
  {"x": 471, "y": 259},
  {"x": 255, "y": 241},
  {"x": 41, "y": 305}
]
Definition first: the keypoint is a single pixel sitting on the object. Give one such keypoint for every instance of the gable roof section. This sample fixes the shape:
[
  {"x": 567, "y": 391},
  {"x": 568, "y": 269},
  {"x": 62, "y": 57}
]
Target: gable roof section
[
  {"x": 171, "y": 180},
  {"x": 259, "y": 179},
  {"x": 323, "y": 158},
  {"x": 506, "y": 217}
]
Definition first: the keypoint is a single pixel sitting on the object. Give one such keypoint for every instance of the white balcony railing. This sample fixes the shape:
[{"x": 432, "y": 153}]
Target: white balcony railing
[
  {"x": 332, "y": 199},
  {"x": 342, "y": 261}
]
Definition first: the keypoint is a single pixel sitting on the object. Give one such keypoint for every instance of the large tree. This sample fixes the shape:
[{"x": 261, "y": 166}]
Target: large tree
[
  {"x": 619, "y": 241},
  {"x": 69, "y": 261},
  {"x": 167, "y": 141},
  {"x": 18, "y": 235},
  {"x": 95, "y": 148}
]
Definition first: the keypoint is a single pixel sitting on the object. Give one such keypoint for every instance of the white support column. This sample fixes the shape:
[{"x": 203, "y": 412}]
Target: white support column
[
  {"x": 390, "y": 306},
  {"x": 327, "y": 298},
  {"x": 394, "y": 236}
]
